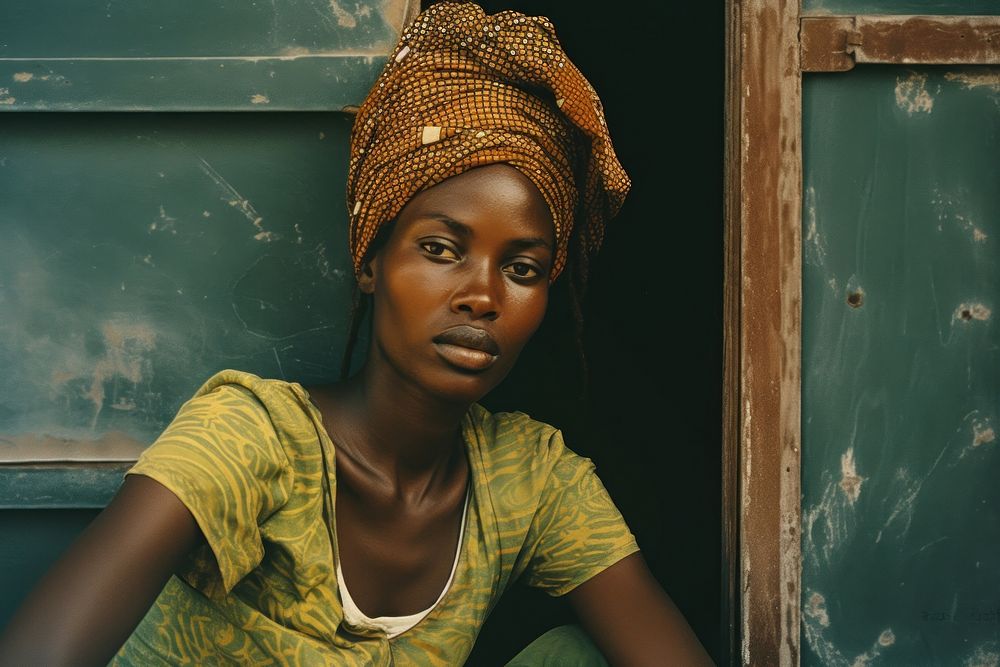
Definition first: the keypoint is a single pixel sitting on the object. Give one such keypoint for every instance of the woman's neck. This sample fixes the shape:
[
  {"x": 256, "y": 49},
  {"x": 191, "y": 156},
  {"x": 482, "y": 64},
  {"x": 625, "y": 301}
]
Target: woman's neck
[{"x": 392, "y": 432}]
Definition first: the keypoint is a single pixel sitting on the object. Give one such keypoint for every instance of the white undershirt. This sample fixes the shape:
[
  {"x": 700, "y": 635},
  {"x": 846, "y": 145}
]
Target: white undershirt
[{"x": 395, "y": 625}]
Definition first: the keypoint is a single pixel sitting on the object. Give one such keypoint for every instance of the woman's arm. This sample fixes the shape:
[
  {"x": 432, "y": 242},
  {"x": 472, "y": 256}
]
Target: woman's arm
[
  {"x": 92, "y": 599},
  {"x": 632, "y": 621}
]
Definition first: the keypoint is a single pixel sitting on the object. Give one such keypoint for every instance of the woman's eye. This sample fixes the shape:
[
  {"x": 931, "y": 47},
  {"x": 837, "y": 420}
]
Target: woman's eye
[
  {"x": 438, "y": 249},
  {"x": 522, "y": 270}
]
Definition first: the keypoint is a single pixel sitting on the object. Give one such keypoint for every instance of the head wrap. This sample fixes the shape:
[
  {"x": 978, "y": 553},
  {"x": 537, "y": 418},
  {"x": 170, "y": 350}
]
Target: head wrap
[{"x": 463, "y": 90}]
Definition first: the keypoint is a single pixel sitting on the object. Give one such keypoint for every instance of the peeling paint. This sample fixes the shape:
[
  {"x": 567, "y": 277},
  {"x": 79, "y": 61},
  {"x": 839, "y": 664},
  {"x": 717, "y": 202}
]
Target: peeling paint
[
  {"x": 976, "y": 430},
  {"x": 886, "y": 639},
  {"x": 815, "y": 246},
  {"x": 38, "y": 448},
  {"x": 982, "y": 433},
  {"x": 966, "y": 312},
  {"x": 826, "y": 527},
  {"x": 911, "y": 94},
  {"x": 28, "y": 77},
  {"x": 950, "y": 207},
  {"x": 5, "y": 97},
  {"x": 126, "y": 356},
  {"x": 344, "y": 18},
  {"x": 986, "y": 655},
  {"x": 850, "y": 482},
  {"x": 259, "y": 99},
  {"x": 989, "y": 80},
  {"x": 164, "y": 223},
  {"x": 816, "y": 609},
  {"x": 293, "y": 52}
]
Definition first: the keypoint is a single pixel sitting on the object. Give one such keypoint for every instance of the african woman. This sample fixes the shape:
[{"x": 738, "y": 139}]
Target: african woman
[{"x": 377, "y": 520}]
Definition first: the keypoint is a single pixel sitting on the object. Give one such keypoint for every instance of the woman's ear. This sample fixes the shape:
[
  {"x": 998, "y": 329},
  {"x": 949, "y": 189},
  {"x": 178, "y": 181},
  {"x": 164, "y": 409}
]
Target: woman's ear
[{"x": 366, "y": 278}]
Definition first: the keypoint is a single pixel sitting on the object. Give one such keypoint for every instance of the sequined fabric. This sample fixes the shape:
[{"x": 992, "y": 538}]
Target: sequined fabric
[{"x": 463, "y": 89}]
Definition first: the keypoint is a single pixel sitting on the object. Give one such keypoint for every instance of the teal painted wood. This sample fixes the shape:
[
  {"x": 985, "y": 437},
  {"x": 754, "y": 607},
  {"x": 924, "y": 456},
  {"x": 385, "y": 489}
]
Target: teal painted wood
[
  {"x": 149, "y": 28},
  {"x": 935, "y": 7},
  {"x": 59, "y": 486},
  {"x": 194, "y": 55},
  {"x": 30, "y": 542},
  {"x": 901, "y": 367},
  {"x": 141, "y": 253},
  {"x": 306, "y": 83}
]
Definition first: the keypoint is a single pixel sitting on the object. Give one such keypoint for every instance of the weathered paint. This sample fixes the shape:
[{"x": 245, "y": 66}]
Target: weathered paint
[
  {"x": 731, "y": 442},
  {"x": 59, "y": 485},
  {"x": 160, "y": 249},
  {"x": 900, "y": 391},
  {"x": 285, "y": 55},
  {"x": 824, "y": 44},
  {"x": 837, "y": 43},
  {"x": 770, "y": 289}
]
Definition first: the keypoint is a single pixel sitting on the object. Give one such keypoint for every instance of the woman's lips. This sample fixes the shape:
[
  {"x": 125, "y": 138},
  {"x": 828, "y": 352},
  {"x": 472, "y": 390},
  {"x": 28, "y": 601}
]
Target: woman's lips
[{"x": 467, "y": 347}]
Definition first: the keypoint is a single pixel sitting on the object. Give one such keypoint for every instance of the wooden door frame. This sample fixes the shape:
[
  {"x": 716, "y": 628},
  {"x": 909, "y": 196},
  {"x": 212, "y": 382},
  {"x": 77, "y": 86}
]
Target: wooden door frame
[{"x": 770, "y": 43}]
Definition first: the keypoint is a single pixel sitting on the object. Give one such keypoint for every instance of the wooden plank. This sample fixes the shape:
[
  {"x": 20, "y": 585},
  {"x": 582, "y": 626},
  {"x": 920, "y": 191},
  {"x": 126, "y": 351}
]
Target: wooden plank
[
  {"x": 84, "y": 485},
  {"x": 770, "y": 312},
  {"x": 306, "y": 83},
  {"x": 193, "y": 55},
  {"x": 835, "y": 44},
  {"x": 731, "y": 345},
  {"x": 927, "y": 40}
]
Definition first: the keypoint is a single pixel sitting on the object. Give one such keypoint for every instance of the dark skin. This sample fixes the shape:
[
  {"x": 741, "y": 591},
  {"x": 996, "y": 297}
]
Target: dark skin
[{"x": 472, "y": 252}]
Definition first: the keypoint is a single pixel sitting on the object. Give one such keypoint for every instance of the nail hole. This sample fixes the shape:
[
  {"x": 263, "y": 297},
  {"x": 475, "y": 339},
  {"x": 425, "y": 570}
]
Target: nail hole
[
  {"x": 966, "y": 314},
  {"x": 855, "y": 299}
]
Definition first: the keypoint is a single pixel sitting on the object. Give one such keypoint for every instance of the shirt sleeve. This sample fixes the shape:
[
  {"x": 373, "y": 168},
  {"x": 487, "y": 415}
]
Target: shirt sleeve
[
  {"x": 222, "y": 458},
  {"x": 577, "y": 531}
]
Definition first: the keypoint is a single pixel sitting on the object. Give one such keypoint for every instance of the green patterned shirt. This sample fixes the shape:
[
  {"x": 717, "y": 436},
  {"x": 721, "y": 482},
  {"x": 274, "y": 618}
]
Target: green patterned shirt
[{"x": 252, "y": 461}]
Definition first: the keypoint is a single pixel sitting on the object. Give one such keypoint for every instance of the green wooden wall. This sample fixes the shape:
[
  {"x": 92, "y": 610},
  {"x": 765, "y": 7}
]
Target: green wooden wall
[
  {"x": 145, "y": 243},
  {"x": 901, "y": 367},
  {"x": 143, "y": 251}
]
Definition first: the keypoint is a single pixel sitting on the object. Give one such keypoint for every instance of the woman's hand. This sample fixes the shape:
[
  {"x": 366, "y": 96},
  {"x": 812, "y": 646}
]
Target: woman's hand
[
  {"x": 632, "y": 621},
  {"x": 92, "y": 599}
]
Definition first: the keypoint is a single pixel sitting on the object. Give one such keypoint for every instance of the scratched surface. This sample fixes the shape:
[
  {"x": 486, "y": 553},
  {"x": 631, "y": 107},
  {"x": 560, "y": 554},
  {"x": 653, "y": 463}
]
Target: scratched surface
[
  {"x": 140, "y": 253},
  {"x": 152, "y": 28},
  {"x": 194, "y": 55},
  {"x": 964, "y": 7},
  {"x": 901, "y": 368}
]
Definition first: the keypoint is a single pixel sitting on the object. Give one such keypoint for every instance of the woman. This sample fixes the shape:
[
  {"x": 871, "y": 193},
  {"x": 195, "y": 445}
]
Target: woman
[{"x": 377, "y": 520}]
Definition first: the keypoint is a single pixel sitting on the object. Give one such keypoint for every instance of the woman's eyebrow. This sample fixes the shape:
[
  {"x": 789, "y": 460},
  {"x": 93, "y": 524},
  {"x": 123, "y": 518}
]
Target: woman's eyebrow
[
  {"x": 531, "y": 242},
  {"x": 454, "y": 225}
]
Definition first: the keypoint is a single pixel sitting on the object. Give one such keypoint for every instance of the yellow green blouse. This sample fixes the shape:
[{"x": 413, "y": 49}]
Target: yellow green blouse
[{"x": 251, "y": 460}]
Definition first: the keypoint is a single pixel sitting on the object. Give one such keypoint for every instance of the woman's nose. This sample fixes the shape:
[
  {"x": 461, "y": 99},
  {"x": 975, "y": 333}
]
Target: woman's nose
[{"x": 479, "y": 295}]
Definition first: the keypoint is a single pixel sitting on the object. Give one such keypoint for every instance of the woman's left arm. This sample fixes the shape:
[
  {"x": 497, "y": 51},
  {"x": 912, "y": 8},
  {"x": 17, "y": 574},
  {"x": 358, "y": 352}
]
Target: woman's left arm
[{"x": 633, "y": 621}]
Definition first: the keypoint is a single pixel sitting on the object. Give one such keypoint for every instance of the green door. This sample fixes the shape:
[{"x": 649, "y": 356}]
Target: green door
[{"x": 901, "y": 359}]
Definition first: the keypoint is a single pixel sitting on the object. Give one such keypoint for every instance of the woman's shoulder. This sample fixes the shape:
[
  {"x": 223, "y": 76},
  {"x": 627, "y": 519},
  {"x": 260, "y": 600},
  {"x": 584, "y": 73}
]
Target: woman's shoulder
[
  {"x": 237, "y": 387},
  {"x": 233, "y": 401},
  {"x": 515, "y": 439},
  {"x": 248, "y": 385}
]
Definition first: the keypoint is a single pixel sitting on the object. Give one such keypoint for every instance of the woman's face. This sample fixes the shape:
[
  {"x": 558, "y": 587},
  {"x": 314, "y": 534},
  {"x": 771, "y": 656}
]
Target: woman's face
[{"x": 462, "y": 282}]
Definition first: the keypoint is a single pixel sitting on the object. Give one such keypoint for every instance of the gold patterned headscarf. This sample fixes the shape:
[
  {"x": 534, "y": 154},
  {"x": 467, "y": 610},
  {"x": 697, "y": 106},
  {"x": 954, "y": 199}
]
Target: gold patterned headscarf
[{"x": 464, "y": 90}]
